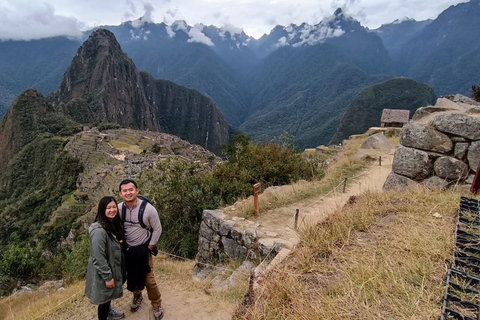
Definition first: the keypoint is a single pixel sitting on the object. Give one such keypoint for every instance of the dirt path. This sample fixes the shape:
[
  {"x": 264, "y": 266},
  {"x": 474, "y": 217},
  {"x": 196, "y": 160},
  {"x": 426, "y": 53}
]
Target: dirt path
[
  {"x": 182, "y": 299},
  {"x": 185, "y": 300},
  {"x": 281, "y": 221}
]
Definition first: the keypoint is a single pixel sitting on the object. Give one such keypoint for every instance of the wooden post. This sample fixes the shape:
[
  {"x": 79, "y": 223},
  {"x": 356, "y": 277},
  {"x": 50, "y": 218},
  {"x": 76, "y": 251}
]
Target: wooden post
[
  {"x": 344, "y": 184},
  {"x": 256, "y": 190},
  {"x": 296, "y": 219},
  {"x": 380, "y": 161}
]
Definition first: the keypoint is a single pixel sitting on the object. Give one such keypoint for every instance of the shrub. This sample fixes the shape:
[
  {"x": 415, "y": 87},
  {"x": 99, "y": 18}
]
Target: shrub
[
  {"x": 476, "y": 93},
  {"x": 74, "y": 266},
  {"x": 20, "y": 262},
  {"x": 180, "y": 191}
]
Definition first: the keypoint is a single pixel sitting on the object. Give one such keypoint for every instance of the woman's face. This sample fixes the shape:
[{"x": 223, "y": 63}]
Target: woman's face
[{"x": 111, "y": 210}]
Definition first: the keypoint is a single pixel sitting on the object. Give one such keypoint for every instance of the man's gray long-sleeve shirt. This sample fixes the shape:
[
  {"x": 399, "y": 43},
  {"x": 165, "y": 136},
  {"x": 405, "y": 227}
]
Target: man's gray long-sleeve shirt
[{"x": 134, "y": 233}]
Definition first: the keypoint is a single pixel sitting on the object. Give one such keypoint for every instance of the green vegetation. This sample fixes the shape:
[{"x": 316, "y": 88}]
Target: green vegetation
[
  {"x": 181, "y": 190},
  {"x": 366, "y": 109},
  {"x": 476, "y": 93},
  {"x": 37, "y": 179}
]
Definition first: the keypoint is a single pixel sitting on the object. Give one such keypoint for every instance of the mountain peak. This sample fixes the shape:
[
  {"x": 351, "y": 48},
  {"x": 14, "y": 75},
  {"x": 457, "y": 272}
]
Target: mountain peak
[
  {"x": 105, "y": 83},
  {"x": 99, "y": 63}
]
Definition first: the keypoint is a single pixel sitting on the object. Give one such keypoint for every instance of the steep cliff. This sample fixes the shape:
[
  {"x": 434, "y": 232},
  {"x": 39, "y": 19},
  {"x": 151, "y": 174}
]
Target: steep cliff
[
  {"x": 29, "y": 116},
  {"x": 115, "y": 91}
]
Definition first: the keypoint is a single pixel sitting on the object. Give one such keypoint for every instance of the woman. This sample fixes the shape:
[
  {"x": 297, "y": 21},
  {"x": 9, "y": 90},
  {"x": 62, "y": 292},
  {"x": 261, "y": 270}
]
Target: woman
[{"x": 105, "y": 265}]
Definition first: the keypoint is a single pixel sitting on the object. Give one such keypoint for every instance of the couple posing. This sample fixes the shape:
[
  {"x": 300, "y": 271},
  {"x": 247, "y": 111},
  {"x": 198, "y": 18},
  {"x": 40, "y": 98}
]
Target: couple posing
[{"x": 122, "y": 240}]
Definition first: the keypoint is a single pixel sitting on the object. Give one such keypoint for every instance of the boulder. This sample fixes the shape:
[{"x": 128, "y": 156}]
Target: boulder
[
  {"x": 458, "y": 124},
  {"x": 226, "y": 227},
  {"x": 450, "y": 168},
  {"x": 421, "y": 136},
  {"x": 397, "y": 182},
  {"x": 424, "y": 111},
  {"x": 213, "y": 219},
  {"x": 473, "y": 155},
  {"x": 436, "y": 183},
  {"x": 234, "y": 250},
  {"x": 50, "y": 286},
  {"x": 377, "y": 141},
  {"x": 460, "y": 150},
  {"x": 412, "y": 163},
  {"x": 362, "y": 156},
  {"x": 464, "y": 99}
]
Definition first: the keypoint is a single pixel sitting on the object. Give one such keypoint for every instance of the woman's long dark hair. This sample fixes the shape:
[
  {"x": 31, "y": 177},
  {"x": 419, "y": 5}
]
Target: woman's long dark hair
[{"x": 115, "y": 226}]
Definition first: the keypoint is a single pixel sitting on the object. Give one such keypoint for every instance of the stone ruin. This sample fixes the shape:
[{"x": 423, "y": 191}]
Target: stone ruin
[{"x": 440, "y": 146}]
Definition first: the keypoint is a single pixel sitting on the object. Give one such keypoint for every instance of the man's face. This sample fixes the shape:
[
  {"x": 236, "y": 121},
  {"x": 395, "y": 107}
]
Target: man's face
[{"x": 128, "y": 192}]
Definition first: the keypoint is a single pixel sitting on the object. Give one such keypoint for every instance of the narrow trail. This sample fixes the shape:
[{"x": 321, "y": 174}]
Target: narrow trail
[
  {"x": 281, "y": 220},
  {"x": 185, "y": 300}
]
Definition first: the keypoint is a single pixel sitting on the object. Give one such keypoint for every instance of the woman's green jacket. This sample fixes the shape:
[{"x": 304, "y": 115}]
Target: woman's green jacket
[{"x": 105, "y": 262}]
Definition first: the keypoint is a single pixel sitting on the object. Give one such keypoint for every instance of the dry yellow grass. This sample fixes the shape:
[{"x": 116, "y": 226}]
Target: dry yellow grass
[
  {"x": 385, "y": 257},
  {"x": 346, "y": 166},
  {"x": 36, "y": 304},
  {"x": 178, "y": 289}
]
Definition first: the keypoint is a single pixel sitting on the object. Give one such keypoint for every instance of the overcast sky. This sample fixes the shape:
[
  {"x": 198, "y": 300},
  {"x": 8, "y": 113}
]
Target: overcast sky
[{"x": 33, "y": 19}]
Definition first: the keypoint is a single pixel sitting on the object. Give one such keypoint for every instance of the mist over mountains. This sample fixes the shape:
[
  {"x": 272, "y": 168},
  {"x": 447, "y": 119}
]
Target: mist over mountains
[{"x": 298, "y": 78}]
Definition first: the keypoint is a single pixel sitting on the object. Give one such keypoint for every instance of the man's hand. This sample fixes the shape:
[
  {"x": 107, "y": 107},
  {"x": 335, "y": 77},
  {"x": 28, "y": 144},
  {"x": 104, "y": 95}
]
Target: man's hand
[
  {"x": 110, "y": 283},
  {"x": 150, "y": 247}
]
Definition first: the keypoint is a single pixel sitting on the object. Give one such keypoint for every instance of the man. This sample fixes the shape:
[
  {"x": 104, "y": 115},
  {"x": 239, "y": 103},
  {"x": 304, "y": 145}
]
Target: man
[{"x": 140, "y": 243}]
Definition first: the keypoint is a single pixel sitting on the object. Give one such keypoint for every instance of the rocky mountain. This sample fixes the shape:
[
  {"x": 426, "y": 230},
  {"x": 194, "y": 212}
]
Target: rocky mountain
[
  {"x": 366, "y": 109},
  {"x": 30, "y": 115},
  {"x": 396, "y": 34},
  {"x": 363, "y": 48},
  {"x": 36, "y": 64},
  {"x": 102, "y": 84},
  {"x": 208, "y": 59},
  {"x": 248, "y": 78},
  {"x": 305, "y": 86},
  {"x": 445, "y": 53}
]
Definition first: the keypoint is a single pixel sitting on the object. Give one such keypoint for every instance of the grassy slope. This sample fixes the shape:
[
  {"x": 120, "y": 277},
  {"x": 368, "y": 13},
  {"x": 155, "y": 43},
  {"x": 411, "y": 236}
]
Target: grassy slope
[{"x": 384, "y": 257}]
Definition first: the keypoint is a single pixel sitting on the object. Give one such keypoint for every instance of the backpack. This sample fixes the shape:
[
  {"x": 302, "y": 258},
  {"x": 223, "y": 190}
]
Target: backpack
[{"x": 141, "y": 210}]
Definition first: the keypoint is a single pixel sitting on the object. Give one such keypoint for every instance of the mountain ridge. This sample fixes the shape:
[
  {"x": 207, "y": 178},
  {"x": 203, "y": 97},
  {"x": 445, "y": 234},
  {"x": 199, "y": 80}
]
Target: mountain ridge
[{"x": 224, "y": 64}]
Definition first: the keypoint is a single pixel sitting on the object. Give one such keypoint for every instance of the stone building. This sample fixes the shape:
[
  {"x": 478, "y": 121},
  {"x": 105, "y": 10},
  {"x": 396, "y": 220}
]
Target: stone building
[{"x": 394, "y": 118}]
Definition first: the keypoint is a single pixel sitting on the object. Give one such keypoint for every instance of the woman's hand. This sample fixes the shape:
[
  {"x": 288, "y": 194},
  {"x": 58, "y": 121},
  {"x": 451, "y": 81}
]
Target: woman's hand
[{"x": 110, "y": 283}]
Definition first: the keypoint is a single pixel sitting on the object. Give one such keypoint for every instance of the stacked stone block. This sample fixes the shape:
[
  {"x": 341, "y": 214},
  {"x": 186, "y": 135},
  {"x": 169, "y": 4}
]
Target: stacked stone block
[{"x": 441, "y": 153}]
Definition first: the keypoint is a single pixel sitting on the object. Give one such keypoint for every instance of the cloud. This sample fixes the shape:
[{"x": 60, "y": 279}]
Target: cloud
[
  {"x": 311, "y": 35},
  {"x": 282, "y": 42},
  {"x": 146, "y": 18},
  {"x": 196, "y": 35},
  {"x": 170, "y": 32},
  {"x": 232, "y": 30},
  {"x": 28, "y": 20}
]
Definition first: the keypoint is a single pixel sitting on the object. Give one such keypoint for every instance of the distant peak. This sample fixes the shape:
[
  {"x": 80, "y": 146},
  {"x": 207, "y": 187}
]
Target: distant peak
[{"x": 338, "y": 12}]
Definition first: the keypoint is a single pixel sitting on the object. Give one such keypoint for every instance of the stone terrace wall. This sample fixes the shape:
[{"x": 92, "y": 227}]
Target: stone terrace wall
[
  {"x": 236, "y": 238},
  {"x": 440, "y": 147}
]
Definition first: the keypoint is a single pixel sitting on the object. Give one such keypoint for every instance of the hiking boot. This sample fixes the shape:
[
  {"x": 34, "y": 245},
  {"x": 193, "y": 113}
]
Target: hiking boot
[
  {"x": 136, "y": 302},
  {"x": 157, "y": 312},
  {"x": 114, "y": 314}
]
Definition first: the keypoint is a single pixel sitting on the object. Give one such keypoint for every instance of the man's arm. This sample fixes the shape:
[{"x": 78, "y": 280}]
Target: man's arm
[{"x": 152, "y": 220}]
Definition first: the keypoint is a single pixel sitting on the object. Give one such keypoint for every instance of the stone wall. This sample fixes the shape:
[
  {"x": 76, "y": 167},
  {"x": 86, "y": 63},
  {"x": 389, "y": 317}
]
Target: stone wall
[
  {"x": 222, "y": 239},
  {"x": 440, "y": 147}
]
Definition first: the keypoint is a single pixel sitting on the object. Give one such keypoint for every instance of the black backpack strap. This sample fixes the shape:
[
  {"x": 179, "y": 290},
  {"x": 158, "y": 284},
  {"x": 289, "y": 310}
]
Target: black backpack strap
[
  {"x": 124, "y": 212},
  {"x": 141, "y": 211}
]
